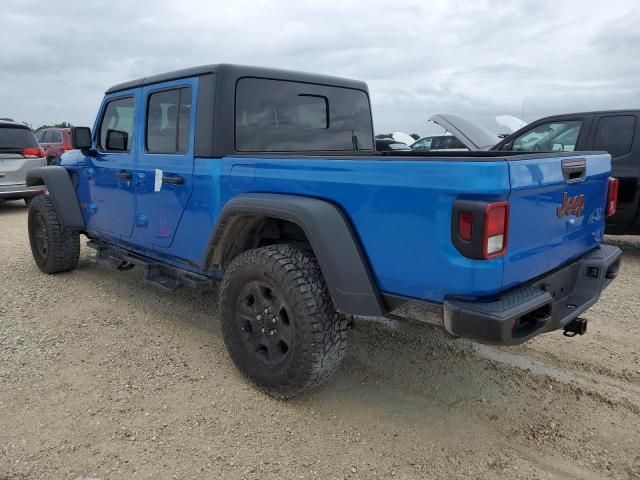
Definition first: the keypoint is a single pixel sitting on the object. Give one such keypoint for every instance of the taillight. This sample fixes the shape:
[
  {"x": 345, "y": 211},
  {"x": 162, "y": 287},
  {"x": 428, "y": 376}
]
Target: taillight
[
  {"x": 479, "y": 229},
  {"x": 465, "y": 225},
  {"x": 612, "y": 196},
  {"x": 494, "y": 241},
  {"x": 66, "y": 148},
  {"x": 33, "y": 152}
]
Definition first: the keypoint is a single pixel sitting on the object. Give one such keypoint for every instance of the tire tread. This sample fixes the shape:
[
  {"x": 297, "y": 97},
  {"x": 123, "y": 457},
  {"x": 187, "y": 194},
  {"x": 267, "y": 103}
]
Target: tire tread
[
  {"x": 64, "y": 244},
  {"x": 302, "y": 280}
]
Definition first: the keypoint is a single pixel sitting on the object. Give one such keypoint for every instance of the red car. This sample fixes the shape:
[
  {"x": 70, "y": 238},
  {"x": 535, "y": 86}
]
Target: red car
[{"x": 55, "y": 142}]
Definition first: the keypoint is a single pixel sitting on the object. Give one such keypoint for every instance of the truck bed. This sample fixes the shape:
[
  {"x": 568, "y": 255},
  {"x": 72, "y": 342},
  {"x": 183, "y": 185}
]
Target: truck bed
[{"x": 401, "y": 208}]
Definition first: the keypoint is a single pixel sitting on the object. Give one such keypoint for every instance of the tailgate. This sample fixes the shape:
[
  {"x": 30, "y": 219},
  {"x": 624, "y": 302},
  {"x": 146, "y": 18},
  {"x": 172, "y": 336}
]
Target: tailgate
[
  {"x": 14, "y": 168},
  {"x": 556, "y": 212}
]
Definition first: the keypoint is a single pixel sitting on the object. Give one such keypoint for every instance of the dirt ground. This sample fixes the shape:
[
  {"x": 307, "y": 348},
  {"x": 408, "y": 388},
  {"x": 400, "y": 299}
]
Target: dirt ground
[{"x": 104, "y": 377}]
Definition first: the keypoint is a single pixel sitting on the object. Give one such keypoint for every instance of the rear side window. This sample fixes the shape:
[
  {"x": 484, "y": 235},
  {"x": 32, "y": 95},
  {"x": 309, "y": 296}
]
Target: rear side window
[
  {"x": 117, "y": 123},
  {"x": 615, "y": 134},
  {"x": 557, "y": 136},
  {"x": 12, "y": 138},
  {"x": 52, "y": 136},
  {"x": 168, "y": 121},
  {"x": 281, "y": 116}
]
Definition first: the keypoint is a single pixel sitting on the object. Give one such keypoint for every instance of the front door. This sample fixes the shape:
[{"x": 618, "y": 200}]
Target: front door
[
  {"x": 164, "y": 173},
  {"x": 110, "y": 172},
  {"x": 615, "y": 134}
]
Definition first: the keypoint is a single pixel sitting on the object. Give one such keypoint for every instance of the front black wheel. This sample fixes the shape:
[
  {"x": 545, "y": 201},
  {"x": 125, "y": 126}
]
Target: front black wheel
[
  {"x": 55, "y": 249},
  {"x": 279, "y": 322}
]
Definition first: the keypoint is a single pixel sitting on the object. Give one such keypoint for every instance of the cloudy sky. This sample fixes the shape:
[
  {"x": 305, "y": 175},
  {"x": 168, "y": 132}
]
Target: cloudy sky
[{"x": 474, "y": 59}]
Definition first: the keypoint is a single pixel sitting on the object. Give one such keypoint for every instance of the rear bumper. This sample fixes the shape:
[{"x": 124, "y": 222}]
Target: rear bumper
[
  {"x": 20, "y": 191},
  {"x": 547, "y": 304}
]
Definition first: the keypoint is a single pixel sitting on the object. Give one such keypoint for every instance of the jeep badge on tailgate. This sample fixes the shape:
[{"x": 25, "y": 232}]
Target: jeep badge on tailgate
[{"x": 571, "y": 205}]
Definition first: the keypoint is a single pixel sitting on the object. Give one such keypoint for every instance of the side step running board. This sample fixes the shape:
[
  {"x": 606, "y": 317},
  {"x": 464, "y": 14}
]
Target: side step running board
[{"x": 158, "y": 274}]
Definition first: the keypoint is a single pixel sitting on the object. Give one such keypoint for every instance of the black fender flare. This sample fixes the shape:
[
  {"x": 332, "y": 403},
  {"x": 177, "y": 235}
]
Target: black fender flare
[
  {"x": 332, "y": 238},
  {"x": 62, "y": 193}
]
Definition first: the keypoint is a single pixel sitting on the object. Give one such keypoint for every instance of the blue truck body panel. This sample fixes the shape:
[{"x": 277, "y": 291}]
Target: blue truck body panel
[
  {"x": 413, "y": 255},
  {"x": 400, "y": 209}
]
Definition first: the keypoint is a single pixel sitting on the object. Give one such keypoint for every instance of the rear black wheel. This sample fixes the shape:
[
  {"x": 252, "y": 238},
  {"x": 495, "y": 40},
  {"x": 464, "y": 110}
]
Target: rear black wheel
[
  {"x": 279, "y": 322},
  {"x": 54, "y": 248},
  {"x": 262, "y": 317}
]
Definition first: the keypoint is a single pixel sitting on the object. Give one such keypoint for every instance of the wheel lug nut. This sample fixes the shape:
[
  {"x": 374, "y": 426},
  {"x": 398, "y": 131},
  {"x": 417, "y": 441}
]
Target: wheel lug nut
[
  {"x": 263, "y": 330},
  {"x": 274, "y": 320},
  {"x": 259, "y": 317}
]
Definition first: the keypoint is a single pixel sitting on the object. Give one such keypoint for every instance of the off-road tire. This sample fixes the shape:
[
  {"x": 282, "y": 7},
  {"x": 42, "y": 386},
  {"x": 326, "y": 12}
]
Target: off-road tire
[
  {"x": 319, "y": 333},
  {"x": 59, "y": 249}
]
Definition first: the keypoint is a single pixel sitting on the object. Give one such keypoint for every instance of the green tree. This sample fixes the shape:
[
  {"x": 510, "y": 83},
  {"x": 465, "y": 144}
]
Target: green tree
[{"x": 57, "y": 125}]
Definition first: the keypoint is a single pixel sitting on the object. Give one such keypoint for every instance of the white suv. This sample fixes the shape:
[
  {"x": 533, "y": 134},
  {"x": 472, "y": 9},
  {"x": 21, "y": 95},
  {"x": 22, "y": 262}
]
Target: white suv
[{"x": 19, "y": 152}]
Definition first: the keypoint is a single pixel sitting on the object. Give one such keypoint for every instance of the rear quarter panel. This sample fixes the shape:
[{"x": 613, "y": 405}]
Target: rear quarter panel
[{"x": 401, "y": 211}]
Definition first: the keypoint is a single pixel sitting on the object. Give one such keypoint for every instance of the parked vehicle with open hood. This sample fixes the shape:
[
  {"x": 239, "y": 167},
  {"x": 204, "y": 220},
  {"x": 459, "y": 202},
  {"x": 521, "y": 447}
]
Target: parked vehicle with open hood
[{"x": 458, "y": 135}]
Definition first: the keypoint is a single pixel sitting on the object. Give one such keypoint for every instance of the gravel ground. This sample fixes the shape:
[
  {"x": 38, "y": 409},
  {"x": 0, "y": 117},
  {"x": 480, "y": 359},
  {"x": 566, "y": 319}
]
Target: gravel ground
[{"x": 104, "y": 377}]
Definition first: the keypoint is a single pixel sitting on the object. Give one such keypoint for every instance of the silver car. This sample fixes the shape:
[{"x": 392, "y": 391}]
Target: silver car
[{"x": 19, "y": 152}]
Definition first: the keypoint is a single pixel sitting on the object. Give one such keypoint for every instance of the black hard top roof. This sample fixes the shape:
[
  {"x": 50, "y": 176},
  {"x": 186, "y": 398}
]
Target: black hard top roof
[{"x": 239, "y": 71}]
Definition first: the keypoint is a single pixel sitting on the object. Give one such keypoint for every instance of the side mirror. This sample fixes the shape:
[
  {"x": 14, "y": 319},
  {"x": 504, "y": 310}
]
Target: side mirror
[
  {"x": 117, "y": 140},
  {"x": 81, "y": 138}
]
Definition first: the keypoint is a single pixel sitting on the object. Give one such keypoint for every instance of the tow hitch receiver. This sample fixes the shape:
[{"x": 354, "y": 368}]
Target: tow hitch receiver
[{"x": 575, "y": 327}]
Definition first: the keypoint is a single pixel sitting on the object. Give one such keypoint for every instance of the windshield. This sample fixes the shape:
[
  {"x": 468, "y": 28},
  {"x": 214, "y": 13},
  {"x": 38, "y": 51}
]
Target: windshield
[{"x": 16, "y": 138}]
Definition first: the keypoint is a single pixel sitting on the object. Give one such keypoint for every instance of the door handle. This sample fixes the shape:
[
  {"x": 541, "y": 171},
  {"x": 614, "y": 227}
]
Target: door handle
[
  {"x": 574, "y": 170},
  {"x": 173, "y": 180},
  {"x": 124, "y": 175}
]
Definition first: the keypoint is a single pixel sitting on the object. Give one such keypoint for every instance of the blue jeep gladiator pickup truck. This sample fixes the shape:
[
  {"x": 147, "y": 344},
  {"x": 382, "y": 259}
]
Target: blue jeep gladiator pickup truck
[{"x": 269, "y": 181}]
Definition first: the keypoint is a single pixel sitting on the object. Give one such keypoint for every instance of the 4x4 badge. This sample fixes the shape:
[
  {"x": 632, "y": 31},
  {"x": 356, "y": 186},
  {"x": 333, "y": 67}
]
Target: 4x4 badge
[{"x": 571, "y": 205}]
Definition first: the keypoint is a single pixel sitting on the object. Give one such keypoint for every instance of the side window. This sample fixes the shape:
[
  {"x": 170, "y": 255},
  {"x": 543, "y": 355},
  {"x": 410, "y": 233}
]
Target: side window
[
  {"x": 48, "y": 137},
  {"x": 455, "y": 143},
  {"x": 556, "y": 136},
  {"x": 116, "y": 125},
  {"x": 615, "y": 134},
  {"x": 282, "y": 116},
  {"x": 40, "y": 136},
  {"x": 168, "y": 121}
]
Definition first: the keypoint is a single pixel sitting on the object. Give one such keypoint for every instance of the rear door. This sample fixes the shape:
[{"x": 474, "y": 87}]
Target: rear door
[
  {"x": 616, "y": 134},
  {"x": 556, "y": 211},
  {"x": 14, "y": 163},
  {"x": 164, "y": 174},
  {"x": 110, "y": 172}
]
